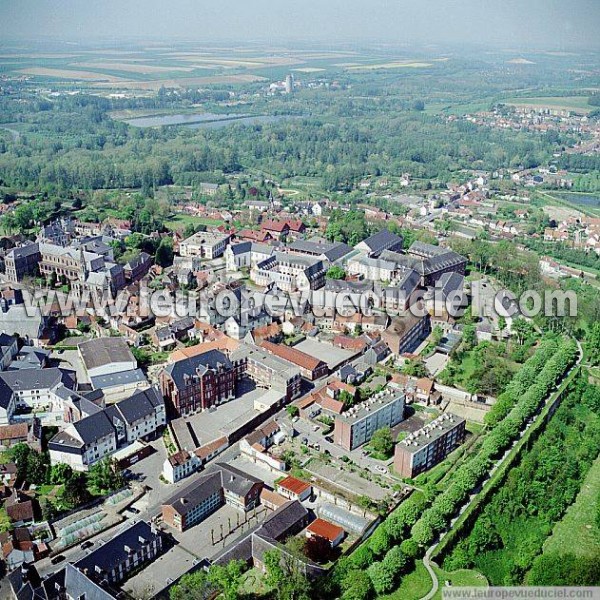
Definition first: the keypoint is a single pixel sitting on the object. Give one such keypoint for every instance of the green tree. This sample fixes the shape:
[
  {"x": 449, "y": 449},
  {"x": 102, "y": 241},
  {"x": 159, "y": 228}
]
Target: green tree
[
  {"x": 106, "y": 476},
  {"x": 60, "y": 473},
  {"x": 593, "y": 344},
  {"x": 357, "y": 585},
  {"x": 75, "y": 492},
  {"x": 164, "y": 253},
  {"x": 382, "y": 441},
  {"x": 193, "y": 586},
  {"x": 227, "y": 578},
  {"x": 292, "y": 410},
  {"x": 335, "y": 272}
]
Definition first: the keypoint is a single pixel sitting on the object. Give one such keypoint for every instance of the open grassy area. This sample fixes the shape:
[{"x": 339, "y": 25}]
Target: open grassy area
[
  {"x": 578, "y": 104},
  {"x": 460, "y": 578},
  {"x": 578, "y": 531},
  {"x": 180, "y": 222},
  {"x": 413, "y": 586}
]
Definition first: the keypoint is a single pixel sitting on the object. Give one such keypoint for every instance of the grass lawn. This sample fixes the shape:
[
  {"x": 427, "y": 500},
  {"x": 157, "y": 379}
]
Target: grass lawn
[
  {"x": 578, "y": 531},
  {"x": 460, "y": 578},
  {"x": 413, "y": 586},
  {"x": 181, "y": 221}
]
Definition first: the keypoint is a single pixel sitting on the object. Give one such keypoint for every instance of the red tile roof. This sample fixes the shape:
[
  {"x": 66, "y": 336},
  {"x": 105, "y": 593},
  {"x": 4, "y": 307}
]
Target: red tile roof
[
  {"x": 297, "y": 357},
  {"x": 325, "y": 529},
  {"x": 294, "y": 485}
]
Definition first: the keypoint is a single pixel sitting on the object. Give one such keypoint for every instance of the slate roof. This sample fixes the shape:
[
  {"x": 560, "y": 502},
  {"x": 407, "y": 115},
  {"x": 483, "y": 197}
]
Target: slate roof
[
  {"x": 382, "y": 240},
  {"x": 236, "y": 481},
  {"x": 94, "y": 427},
  {"x": 196, "y": 492},
  {"x": 112, "y": 553},
  {"x": 331, "y": 250},
  {"x": 139, "y": 405},
  {"x": 79, "y": 585},
  {"x": 24, "y": 251},
  {"x": 32, "y": 379},
  {"x": 241, "y": 248},
  {"x": 200, "y": 363}
]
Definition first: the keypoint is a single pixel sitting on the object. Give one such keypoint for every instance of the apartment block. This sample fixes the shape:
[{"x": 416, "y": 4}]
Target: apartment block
[
  {"x": 357, "y": 425},
  {"x": 426, "y": 447}
]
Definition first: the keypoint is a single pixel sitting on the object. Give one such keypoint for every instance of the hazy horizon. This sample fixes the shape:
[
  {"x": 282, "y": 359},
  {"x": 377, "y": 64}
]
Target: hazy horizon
[{"x": 519, "y": 24}]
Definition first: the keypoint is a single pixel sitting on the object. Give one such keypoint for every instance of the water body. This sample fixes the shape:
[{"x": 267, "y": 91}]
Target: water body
[
  {"x": 209, "y": 120},
  {"x": 586, "y": 200}
]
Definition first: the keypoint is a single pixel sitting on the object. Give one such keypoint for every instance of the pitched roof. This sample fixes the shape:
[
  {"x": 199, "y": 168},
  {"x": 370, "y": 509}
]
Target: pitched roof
[
  {"x": 100, "y": 352},
  {"x": 382, "y": 240},
  {"x": 196, "y": 492},
  {"x": 200, "y": 363},
  {"x": 293, "y": 485},
  {"x": 297, "y": 357},
  {"x": 325, "y": 529}
]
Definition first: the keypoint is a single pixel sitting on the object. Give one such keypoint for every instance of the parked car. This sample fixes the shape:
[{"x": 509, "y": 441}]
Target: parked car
[
  {"x": 86, "y": 545},
  {"x": 329, "y": 439},
  {"x": 57, "y": 559}
]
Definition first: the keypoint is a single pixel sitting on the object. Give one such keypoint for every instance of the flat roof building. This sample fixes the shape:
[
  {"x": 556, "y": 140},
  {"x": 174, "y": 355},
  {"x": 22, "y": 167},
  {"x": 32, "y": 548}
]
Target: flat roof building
[
  {"x": 356, "y": 426},
  {"x": 424, "y": 448}
]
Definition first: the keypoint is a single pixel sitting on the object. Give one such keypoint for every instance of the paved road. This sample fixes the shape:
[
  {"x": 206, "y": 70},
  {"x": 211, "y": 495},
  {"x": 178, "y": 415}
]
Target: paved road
[{"x": 427, "y": 558}]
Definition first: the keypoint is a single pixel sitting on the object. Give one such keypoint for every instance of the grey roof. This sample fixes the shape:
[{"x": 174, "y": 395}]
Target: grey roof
[
  {"x": 17, "y": 319},
  {"x": 29, "y": 358},
  {"x": 279, "y": 523},
  {"x": 139, "y": 405},
  {"x": 430, "y": 432},
  {"x": 331, "y": 250},
  {"x": 382, "y": 240},
  {"x": 100, "y": 352},
  {"x": 113, "y": 552},
  {"x": 205, "y": 486},
  {"x": 33, "y": 379},
  {"x": 117, "y": 379},
  {"x": 426, "y": 250},
  {"x": 241, "y": 248},
  {"x": 79, "y": 585},
  {"x": 236, "y": 481},
  {"x": 138, "y": 260},
  {"x": 450, "y": 282},
  {"x": 94, "y": 427},
  {"x": 425, "y": 265},
  {"x": 196, "y": 364},
  {"x": 24, "y": 251},
  {"x": 339, "y": 285}
]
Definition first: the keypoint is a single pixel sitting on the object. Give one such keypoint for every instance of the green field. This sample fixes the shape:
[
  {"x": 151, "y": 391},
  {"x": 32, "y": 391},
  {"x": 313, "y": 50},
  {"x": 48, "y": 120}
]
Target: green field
[
  {"x": 414, "y": 585},
  {"x": 578, "y": 531},
  {"x": 578, "y": 104},
  {"x": 460, "y": 578},
  {"x": 180, "y": 222}
]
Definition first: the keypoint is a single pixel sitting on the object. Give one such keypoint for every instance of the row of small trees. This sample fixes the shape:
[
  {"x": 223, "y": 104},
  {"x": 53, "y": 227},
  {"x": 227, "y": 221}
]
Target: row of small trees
[
  {"x": 520, "y": 382},
  {"x": 403, "y": 536}
]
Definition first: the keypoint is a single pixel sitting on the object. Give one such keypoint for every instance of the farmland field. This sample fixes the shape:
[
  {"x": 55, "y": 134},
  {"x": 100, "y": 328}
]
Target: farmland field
[
  {"x": 578, "y": 104},
  {"x": 70, "y": 74}
]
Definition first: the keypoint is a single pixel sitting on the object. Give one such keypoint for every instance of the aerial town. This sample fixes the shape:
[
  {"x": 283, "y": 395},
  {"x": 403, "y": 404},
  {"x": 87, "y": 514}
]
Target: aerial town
[{"x": 284, "y": 322}]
